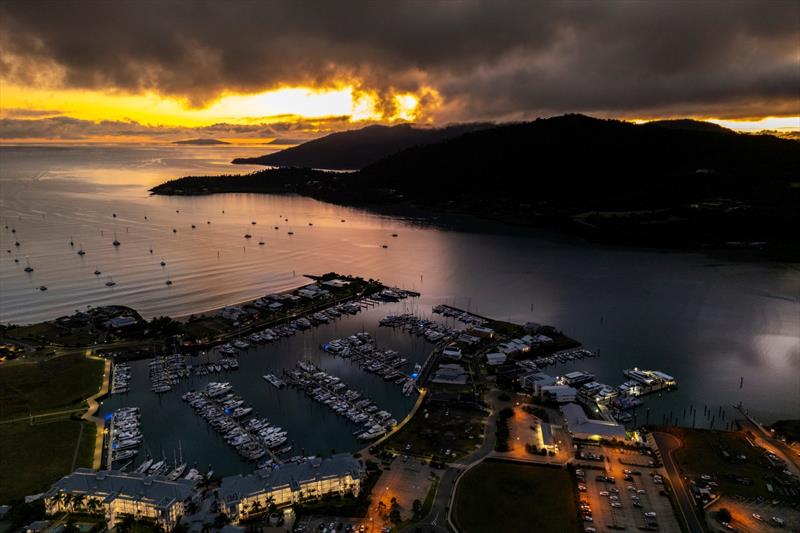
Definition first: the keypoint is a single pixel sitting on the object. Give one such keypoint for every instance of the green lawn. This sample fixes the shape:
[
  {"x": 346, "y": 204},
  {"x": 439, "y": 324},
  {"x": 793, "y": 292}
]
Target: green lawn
[
  {"x": 33, "y": 457},
  {"x": 61, "y": 382},
  {"x": 511, "y": 498}
]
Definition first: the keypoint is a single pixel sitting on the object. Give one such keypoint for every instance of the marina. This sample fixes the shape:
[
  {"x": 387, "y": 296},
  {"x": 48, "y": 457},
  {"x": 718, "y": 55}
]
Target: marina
[
  {"x": 338, "y": 397},
  {"x": 227, "y": 413},
  {"x": 361, "y": 349},
  {"x": 747, "y": 311}
]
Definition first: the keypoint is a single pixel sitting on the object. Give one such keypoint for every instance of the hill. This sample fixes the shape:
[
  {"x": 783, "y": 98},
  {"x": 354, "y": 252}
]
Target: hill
[
  {"x": 202, "y": 142},
  {"x": 355, "y": 149},
  {"x": 606, "y": 179}
]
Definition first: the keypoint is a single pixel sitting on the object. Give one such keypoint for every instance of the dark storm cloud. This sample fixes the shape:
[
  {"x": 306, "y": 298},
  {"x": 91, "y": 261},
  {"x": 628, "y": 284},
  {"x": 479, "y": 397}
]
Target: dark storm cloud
[{"x": 487, "y": 59}]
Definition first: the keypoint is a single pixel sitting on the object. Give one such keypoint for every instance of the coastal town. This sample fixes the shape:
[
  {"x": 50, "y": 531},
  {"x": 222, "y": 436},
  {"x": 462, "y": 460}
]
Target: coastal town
[{"x": 489, "y": 404}]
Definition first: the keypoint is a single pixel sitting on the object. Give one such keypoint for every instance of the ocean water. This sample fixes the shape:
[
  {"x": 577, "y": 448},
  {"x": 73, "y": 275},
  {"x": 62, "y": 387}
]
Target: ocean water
[{"x": 708, "y": 321}]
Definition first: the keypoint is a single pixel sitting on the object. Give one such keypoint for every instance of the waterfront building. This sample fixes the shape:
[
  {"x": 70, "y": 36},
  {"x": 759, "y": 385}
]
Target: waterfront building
[
  {"x": 495, "y": 359},
  {"x": 483, "y": 332},
  {"x": 336, "y": 283},
  {"x": 573, "y": 379},
  {"x": 558, "y": 393},
  {"x": 285, "y": 484},
  {"x": 233, "y": 313},
  {"x": 453, "y": 374},
  {"x": 120, "y": 322},
  {"x": 534, "y": 381},
  {"x": 583, "y": 427},
  {"x": 117, "y": 494}
]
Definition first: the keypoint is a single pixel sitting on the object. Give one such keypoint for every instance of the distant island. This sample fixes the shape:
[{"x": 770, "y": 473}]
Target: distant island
[
  {"x": 201, "y": 142},
  {"x": 356, "y": 149},
  {"x": 677, "y": 183}
]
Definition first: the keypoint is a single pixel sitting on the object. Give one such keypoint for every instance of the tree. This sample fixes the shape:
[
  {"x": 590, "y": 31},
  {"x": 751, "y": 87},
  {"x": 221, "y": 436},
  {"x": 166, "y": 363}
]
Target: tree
[
  {"x": 94, "y": 506},
  {"x": 271, "y": 507},
  {"x": 724, "y": 515},
  {"x": 256, "y": 508},
  {"x": 394, "y": 516},
  {"x": 416, "y": 506},
  {"x": 220, "y": 520},
  {"x": 78, "y": 500}
]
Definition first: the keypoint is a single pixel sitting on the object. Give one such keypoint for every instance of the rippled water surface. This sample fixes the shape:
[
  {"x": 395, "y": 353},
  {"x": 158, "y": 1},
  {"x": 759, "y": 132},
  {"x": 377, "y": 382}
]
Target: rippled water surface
[{"x": 707, "y": 321}]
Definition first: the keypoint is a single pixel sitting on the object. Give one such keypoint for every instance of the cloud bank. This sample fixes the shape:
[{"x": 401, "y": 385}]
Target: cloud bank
[{"x": 487, "y": 60}]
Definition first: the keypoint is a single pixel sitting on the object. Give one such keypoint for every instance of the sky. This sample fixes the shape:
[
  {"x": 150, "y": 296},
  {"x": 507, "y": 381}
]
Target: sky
[{"x": 276, "y": 72}]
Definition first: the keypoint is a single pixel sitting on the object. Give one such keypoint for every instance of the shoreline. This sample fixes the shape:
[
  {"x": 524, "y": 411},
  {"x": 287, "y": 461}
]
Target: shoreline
[{"x": 562, "y": 227}]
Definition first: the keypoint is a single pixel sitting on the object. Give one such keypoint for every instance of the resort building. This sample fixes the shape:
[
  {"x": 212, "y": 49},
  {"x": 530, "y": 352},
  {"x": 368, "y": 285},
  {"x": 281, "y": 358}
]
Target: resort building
[
  {"x": 118, "y": 494},
  {"x": 286, "y": 484},
  {"x": 583, "y": 427}
]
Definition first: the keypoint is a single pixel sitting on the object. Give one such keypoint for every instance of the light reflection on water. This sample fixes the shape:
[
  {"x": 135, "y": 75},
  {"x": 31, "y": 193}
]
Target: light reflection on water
[{"x": 708, "y": 322}]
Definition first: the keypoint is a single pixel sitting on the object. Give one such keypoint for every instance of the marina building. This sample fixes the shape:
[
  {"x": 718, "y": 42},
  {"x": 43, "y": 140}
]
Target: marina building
[
  {"x": 574, "y": 379},
  {"x": 118, "y": 494},
  {"x": 534, "y": 381},
  {"x": 558, "y": 393},
  {"x": 583, "y": 427},
  {"x": 286, "y": 484},
  {"x": 453, "y": 374}
]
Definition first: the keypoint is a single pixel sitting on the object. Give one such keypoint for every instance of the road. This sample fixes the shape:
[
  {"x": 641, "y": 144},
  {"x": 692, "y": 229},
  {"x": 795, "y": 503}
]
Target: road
[
  {"x": 437, "y": 519},
  {"x": 667, "y": 444},
  {"x": 765, "y": 439}
]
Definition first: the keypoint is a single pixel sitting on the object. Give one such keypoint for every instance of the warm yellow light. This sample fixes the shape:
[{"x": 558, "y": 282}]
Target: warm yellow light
[
  {"x": 288, "y": 104},
  {"x": 405, "y": 106}
]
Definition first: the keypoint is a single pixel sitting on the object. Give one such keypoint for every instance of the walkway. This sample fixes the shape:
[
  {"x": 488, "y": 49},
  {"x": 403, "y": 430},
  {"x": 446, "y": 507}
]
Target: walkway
[
  {"x": 94, "y": 406},
  {"x": 438, "y": 518}
]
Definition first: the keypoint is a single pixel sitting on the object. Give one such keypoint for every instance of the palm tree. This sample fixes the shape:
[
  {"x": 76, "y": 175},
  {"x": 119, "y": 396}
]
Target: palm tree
[
  {"x": 93, "y": 505},
  {"x": 255, "y": 508},
  {"x": 69, "y": 502},
  {"x": 62, "y": 498},
  {"x": 79, "y": 500},
  {"x": 271, "y": 507}
]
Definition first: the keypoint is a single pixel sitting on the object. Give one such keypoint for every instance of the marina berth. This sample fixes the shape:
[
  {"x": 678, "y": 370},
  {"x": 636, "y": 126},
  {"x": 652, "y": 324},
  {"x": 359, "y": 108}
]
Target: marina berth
[
  {"x": 330, "y": 391},
  {"x": 650, "y": 380},
  {"x": 361, "y": 349},
  {"x": 124, "y": 435},
  {"x": 120, "y": 378},
  {"x": 224, "y": 410}
]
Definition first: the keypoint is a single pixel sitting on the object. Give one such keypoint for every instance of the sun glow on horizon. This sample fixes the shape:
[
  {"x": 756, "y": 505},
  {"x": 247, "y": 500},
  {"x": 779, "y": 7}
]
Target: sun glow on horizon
[{"x": 285, "y": 104}]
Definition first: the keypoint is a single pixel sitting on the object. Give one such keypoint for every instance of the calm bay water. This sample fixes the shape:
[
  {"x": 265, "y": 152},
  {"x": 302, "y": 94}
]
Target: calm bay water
[{"x": 707, "y": 321}]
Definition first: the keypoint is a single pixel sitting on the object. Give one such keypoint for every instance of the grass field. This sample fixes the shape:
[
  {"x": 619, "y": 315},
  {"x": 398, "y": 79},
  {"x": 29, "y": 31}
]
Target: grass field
[
  {"x": 507, "y": 497},
  {"x": 436, "y": 428},
  {"x": 33, "y": 457},
  {"x": 61, "y": 382}
]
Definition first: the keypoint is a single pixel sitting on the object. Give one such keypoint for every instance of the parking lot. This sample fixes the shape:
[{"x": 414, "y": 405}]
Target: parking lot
[
  {"x": 753, "y": 517},
  {"x": 405, "y": 480},
  {"x": 623, "y": 496}
]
